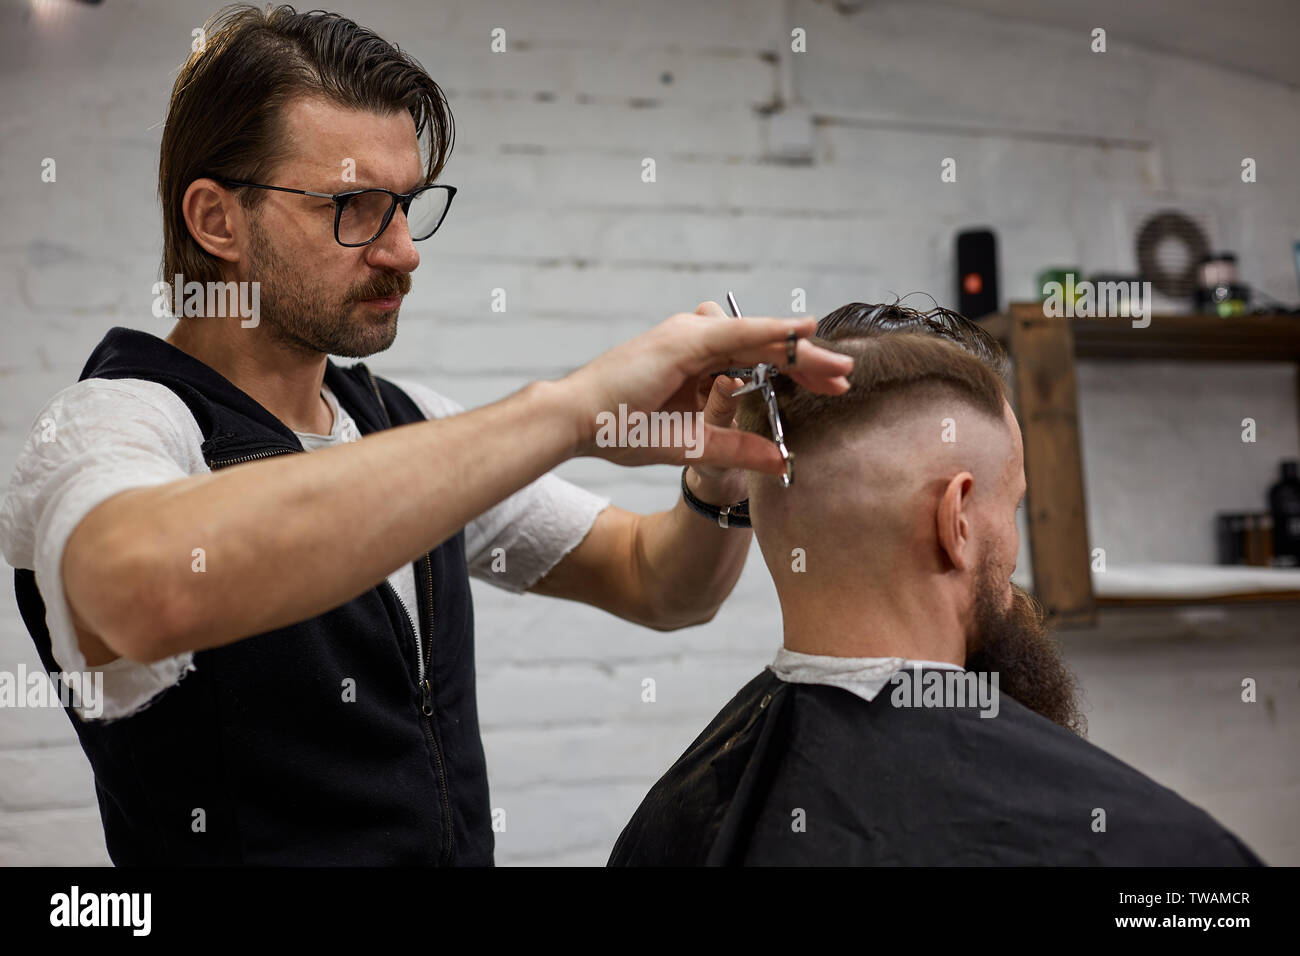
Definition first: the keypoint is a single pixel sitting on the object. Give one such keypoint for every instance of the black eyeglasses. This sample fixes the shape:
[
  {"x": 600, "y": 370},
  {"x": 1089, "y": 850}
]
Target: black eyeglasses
[{"x": 362, "y": 215}]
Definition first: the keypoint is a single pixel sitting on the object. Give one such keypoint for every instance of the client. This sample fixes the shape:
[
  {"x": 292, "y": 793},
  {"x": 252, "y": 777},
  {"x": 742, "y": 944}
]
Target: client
[{"x": 892, "y": 555}]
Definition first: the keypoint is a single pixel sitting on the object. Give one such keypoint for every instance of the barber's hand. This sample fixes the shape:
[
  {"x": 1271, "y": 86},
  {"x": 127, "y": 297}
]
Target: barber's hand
[
  {"x": 715, "y": 484},
  {"x": 662, "y": 370}
]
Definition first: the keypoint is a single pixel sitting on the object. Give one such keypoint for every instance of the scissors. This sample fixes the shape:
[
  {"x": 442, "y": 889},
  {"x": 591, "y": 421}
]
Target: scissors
[{"x": 761, "y": 376}]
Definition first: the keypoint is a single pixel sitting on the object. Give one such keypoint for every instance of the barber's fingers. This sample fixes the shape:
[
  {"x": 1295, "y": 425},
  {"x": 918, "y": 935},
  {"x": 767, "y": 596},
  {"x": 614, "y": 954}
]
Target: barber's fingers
[
  {"x": 707, "y": 385},
  {"x": 750, "y": 341},
  {"x": 714, "y": 450},
  {"x": 711, "y": 309},
  {"x": 724, "y": 448},
  {"x": 808, "y": 371},
  {"x": 720, "y": 407}
]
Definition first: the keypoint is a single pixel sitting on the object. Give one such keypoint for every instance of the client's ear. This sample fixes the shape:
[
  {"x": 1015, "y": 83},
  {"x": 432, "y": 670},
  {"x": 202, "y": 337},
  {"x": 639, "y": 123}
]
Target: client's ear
[{"x": 954, "y": 520}]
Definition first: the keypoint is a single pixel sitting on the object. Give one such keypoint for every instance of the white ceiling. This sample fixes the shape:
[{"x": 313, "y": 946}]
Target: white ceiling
[{"x": 1261, "y": 37}]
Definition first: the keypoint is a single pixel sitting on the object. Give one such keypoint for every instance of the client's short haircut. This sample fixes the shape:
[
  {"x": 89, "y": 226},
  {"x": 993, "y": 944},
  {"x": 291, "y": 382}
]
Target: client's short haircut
[
  {"x": 899, "y": 355},
  {"x": 861, "y": 318}
]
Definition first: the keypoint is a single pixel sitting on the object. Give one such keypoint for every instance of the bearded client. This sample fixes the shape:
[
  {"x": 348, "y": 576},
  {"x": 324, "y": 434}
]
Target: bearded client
[{"x": 892, "y": 554}]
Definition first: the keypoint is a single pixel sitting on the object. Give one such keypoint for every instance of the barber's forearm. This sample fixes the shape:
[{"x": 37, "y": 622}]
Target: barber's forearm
[
  {"x": 688, "y": 564},
  {"x": 287, "y": 538}
]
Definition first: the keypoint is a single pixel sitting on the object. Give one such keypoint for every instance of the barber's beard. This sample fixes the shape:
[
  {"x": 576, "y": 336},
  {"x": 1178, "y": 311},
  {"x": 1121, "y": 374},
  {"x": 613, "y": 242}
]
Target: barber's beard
[
  {"x": 1014, "y": 643},
  {"x": 300, "y": 317}
]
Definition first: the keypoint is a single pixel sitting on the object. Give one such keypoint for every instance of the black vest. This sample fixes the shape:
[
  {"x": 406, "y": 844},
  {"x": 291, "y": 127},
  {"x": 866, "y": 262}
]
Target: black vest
[{"x": 258, "y": 756}]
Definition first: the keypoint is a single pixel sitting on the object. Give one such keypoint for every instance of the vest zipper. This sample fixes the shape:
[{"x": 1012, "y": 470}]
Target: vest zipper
[
  {"x": 217, "y": 465},
  {"x": 419, "y": 647},
  {"x": 424, "y": 658}
]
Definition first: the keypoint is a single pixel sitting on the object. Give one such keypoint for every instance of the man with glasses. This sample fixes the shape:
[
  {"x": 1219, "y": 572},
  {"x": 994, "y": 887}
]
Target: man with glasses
[{"x": 285, "y": 640}]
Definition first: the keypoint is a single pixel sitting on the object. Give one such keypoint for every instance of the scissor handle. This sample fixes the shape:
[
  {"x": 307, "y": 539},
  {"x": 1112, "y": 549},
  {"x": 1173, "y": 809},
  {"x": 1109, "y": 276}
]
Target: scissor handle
[{"x": 762, "y": 379}]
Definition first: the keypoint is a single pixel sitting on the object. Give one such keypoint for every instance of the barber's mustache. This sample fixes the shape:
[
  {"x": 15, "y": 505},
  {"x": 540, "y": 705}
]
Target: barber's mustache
[{"x": 383, "y": 287}]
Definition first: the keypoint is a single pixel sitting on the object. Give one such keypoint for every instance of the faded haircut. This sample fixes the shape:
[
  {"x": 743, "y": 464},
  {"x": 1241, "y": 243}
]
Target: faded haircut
[
  {"x": 862, "y": 318},
  {"x": 889, "y": 366}
]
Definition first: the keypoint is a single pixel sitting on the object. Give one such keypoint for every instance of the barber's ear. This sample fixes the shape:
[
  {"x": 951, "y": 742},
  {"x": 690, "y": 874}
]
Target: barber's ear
[
  {"x": 213, "y": 213},
  {"x": 954, "y": 520}
]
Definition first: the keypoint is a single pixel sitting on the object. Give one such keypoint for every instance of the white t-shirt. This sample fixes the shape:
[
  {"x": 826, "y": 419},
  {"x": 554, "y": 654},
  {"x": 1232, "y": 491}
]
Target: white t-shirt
[
  {"x": 100, "y": 437},
  {"x": 345, "y": 430}
]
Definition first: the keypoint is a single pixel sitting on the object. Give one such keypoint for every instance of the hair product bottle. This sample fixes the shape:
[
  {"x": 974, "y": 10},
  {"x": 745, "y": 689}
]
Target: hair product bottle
[{"x": 1284, "y": 501}]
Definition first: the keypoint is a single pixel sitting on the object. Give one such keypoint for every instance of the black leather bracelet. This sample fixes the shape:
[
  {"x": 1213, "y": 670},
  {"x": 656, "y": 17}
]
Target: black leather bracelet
[{"x": 730, "y": 516}]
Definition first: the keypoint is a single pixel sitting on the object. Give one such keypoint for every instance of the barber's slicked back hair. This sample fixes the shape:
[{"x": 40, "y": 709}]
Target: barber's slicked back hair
[
  {"x": 225, "y": 119},
  {"x": 861, "y": 318}
]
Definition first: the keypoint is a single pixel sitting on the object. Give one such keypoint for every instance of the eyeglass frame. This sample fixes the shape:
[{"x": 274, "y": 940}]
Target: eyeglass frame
[{"x": 340, "y": 200}]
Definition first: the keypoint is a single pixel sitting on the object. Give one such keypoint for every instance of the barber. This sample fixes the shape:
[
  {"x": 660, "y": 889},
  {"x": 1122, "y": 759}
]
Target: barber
[
  {"x": 290, "y": 709},
  {"x": 285, "y": 639}
]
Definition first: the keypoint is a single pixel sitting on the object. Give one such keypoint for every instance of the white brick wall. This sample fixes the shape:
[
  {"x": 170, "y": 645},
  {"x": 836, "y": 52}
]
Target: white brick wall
[{"x": 1048, "y": 138}]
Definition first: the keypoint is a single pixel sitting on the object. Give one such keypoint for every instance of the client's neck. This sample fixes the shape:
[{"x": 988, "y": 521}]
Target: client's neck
[{"x": 849, "y": 619}]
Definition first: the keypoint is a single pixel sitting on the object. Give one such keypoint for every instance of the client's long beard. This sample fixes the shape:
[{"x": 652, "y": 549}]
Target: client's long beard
[{"x": 1015, "y": 644}]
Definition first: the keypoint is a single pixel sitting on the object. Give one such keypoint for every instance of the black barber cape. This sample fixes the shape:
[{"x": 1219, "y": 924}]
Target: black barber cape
[{"x": 807, "y": 774}]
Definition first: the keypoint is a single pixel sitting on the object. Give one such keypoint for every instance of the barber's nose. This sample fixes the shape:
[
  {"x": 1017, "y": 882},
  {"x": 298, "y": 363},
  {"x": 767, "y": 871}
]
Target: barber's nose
[{"x": 395, "y": 249}]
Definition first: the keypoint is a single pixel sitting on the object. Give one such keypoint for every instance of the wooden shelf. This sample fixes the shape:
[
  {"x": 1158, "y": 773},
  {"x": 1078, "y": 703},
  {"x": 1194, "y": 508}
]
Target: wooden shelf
[
  {"x": 1175, "y": 585},
  {"x": 1246, "y": 338},
  {"x": 1254, "y": 597},
  {"x": 1043, "y": 351}
]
